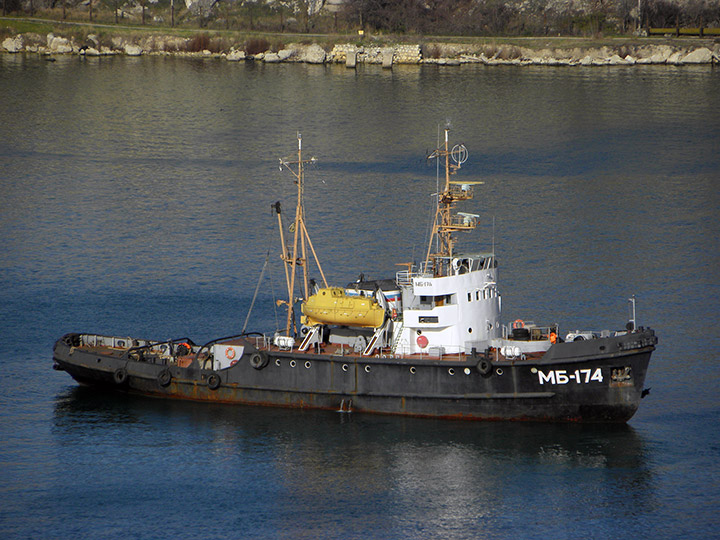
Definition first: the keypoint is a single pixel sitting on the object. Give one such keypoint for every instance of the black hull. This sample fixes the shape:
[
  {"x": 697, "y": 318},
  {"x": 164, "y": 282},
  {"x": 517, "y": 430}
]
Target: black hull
[{"x": 598, "y": 380}]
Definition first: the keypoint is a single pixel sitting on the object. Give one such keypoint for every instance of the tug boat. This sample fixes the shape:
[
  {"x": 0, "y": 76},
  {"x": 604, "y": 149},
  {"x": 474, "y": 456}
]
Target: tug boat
[{"x": 429, "y": 342}]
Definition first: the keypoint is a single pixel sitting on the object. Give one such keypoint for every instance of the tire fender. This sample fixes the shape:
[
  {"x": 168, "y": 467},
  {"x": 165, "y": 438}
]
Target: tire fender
[
  {"x": 213, "y": 381},
  {"x": 164, "y": 377},
  {"x": 120, "y": 376}
]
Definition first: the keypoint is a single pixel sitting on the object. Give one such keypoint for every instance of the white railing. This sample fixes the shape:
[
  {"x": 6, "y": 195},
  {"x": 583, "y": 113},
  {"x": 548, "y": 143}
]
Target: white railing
[{"x": 405, "y": 277}]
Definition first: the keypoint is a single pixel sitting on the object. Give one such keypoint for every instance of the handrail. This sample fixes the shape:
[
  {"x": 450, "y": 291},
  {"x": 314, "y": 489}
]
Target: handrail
[
  {"x": 533, "y": 331},
  {"x": 152, "y": 344},
  {"x": 405, "y": 277},
  {"x": 461, "y": 191}
]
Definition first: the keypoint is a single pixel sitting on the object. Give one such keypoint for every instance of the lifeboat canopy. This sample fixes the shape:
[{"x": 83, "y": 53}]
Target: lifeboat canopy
[{"x": 332, "y": 305}]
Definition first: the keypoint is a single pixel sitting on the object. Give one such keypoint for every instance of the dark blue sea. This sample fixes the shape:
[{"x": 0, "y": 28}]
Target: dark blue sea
[{"x": 135, "y": 200}]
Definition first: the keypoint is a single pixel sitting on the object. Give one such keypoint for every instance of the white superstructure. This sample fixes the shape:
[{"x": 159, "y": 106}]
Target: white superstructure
[
  {"x": 450, "y": 304},
  {"x": 452, "y": 313}
]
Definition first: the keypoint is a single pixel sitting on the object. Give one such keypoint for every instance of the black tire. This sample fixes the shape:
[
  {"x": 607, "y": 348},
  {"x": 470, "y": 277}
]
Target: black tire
[
  {"x": 164, "y": 377},
  {"x": 258, "y": 360},
  {"x": 120, "y": 376},
  {"x": 213, "y": 381},
  {"x": 484, "y": 366}
]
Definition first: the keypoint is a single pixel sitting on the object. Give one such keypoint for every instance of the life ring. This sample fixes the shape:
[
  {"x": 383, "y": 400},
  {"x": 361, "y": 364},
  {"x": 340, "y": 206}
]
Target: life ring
[
  {"x": 484, "y": 366},
  {"x": 229, "y": 353},
  {"x": 553, "y": 337},
  {"x": 393, "y": 314},
  {"x": 120, "y": 376},
  {"x": 181, "y": 346},
  {"x": 258, "y": 361},
  {"x": 213, "y": 381},
  {"x": 519, "y": 323},
  {"x": 164, "y": 377}
]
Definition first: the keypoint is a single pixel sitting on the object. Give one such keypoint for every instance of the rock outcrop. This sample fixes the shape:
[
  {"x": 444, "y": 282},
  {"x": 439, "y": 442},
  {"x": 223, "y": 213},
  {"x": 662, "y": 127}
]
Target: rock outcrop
[
  {"x": 702, "y": 55},
  {"x": 59, "y": 45},
  {"x": 132, "y": 50},
  {"x": 637, "y": 53},
  {"x": 235, "y": 56},
  {"x": 313, "y": 54},
  {"x": 13, "y": 44}
]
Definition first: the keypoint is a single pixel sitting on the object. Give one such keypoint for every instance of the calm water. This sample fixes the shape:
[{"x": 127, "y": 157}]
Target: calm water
[{"x": 136, "y": 200}]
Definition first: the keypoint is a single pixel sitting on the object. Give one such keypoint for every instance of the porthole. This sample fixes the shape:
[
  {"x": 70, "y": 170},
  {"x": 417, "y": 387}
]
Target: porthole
[
  {"x": 499, "y": 371},
  {"x": 367, "y": 369},
  {"x": 277, "y": 362},
  {"x": 344, "y": 367},
  {"x": 412, "y": 370},
  {"x": 451, "y": 371},
  {"x": 466, "y": 371},
  {"x": 308, "y": 364},
  {"x": 293, "y": 363}
]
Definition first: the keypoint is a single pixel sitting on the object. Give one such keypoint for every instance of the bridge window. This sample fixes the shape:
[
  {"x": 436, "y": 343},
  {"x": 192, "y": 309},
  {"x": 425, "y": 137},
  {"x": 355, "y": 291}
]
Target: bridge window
[{"x": 429, "y": 302}]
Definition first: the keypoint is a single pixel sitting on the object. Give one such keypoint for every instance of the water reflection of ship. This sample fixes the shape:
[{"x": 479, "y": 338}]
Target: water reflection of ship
[
  {"x": 325, "y": 471},
  {"x": 318, "y": 450}
]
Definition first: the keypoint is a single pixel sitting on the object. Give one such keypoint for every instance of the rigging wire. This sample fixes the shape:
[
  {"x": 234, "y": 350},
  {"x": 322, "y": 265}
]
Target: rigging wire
[
  {"x": 437, "y": 186},
  {"x": 430, "y": 231},
  {"x": 257, "y": 288},
  {"x": 272, "y": 292}
]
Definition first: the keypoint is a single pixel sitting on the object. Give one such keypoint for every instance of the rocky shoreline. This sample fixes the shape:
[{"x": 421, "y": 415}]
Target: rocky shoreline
[{"x": 388, "y": 56}]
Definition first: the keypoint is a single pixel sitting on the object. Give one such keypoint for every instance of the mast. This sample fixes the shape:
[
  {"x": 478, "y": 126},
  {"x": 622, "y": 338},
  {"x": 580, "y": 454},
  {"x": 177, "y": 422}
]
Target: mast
[
  {"x": 297, "y": 256},
  {"x": 446, "y": 224}
]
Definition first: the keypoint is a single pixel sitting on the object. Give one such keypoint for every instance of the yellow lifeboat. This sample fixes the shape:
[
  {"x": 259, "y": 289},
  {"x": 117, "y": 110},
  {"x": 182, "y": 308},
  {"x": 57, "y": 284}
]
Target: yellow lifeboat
[{"x": 332, "y": 306}]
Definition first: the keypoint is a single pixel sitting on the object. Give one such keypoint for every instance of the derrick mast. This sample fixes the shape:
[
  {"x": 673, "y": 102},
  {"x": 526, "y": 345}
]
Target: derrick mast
[{"x": 295, "y": 256}]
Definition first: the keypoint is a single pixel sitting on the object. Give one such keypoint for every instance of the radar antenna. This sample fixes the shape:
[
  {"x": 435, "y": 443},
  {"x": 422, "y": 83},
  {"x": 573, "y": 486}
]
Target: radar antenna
[{"x": 459, "y": 154}]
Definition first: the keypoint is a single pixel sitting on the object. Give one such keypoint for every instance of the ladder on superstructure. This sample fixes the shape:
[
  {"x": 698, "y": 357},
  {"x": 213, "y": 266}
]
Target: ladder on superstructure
[
  {"x": 372, "y": 345},
  {"x": 397, "y": 339},
  {"x": 309, "y": 338}
]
